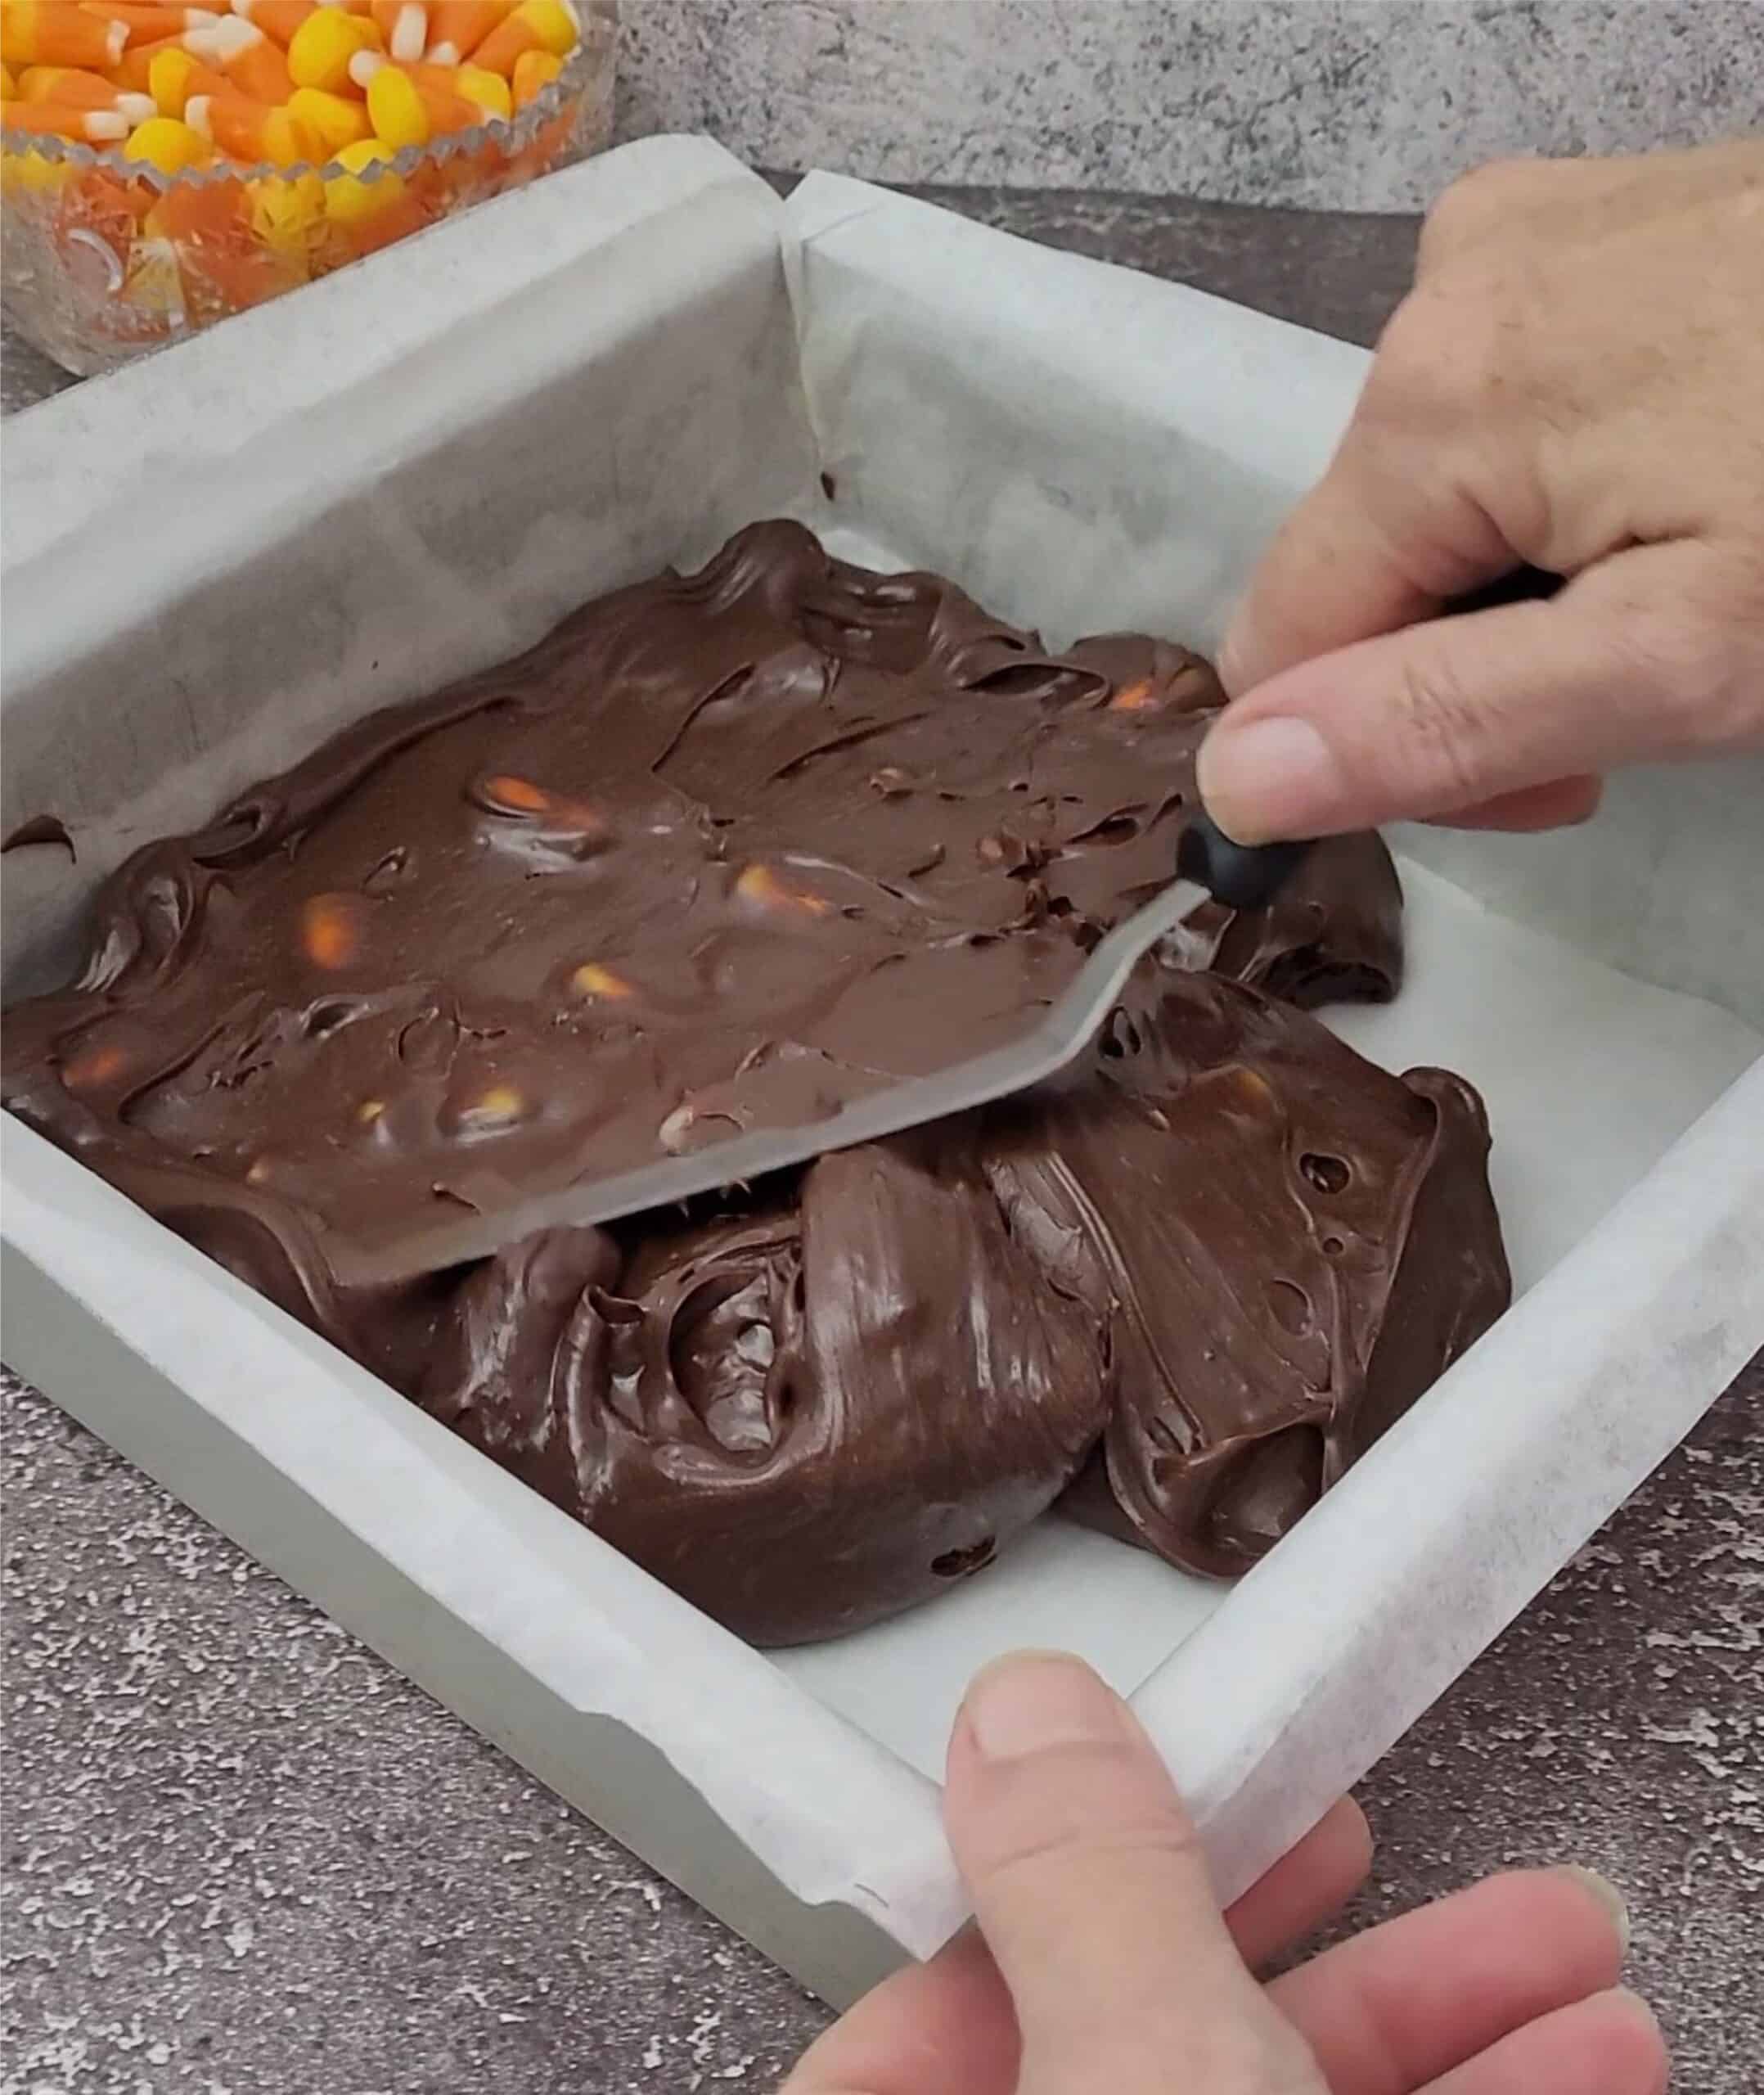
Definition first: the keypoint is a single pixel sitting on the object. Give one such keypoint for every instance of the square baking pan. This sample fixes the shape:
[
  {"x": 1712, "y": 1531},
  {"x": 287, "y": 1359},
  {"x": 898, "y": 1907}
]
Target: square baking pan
[{"x": 214, "y": 560}]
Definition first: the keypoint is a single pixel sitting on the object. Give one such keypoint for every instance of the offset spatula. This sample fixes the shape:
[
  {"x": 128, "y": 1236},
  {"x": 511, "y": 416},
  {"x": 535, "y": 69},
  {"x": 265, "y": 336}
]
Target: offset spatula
[{"x": 1210, "y": 868}]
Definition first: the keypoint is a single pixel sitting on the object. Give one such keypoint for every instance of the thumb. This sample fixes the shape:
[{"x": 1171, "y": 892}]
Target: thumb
[
  {"x": 1091, "y": 1888},
  {"x": 1637, "y": 658}
]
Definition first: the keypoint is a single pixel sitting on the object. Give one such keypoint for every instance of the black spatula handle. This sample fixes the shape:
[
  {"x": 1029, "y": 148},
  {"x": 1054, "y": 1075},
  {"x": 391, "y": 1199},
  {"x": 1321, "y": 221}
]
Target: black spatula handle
[
  {"x": 1248, "y": 876},
  {"x": 1518, "y": 585},
  {"x": 1241, "y": 876}
]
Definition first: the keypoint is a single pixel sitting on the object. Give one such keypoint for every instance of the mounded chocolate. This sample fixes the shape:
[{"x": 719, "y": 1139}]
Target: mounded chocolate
[
  {"x": 1290, "y": 1245},
  {"x": 724, "y": 851},
  {"x": 802, "y": 1417}
]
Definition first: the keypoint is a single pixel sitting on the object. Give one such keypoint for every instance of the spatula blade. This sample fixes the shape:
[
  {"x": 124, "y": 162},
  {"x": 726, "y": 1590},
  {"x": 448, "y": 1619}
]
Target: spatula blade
[{"x": 1054, "y": 1041}]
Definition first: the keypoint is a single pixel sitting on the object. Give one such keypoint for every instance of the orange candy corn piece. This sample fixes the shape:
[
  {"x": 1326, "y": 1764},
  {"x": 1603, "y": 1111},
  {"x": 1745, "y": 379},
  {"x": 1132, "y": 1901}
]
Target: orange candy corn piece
[
  {"x": 254, "y": 132},
  {"x": 144, "y": 24},
  {"x": 534, "y": 25},
  {"x": 457, "y": 27},
  {"x": 74, "y": 89},
  {"x": 52, "y": 33},
  {"x": 51, "y": 119},
  {"x": 278, "y": 19}
]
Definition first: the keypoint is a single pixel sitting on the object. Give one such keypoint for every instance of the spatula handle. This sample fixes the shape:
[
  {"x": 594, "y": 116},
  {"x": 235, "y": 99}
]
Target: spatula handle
[{"x": 1241, "y": 876}]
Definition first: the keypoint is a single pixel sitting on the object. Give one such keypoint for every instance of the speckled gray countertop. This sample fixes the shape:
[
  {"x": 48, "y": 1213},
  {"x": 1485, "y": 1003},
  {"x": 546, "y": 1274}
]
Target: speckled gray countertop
[
  {"x": 244, "y": 1857},
  {"x": 1340, "y": 105}
]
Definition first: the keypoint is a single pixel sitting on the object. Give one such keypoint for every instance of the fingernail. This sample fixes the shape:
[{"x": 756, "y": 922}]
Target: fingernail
[
  {"x": 1269, "y": 777},
  {"x": 1605, "y": 1892},
  {"x": 1032, "y": 1700}
]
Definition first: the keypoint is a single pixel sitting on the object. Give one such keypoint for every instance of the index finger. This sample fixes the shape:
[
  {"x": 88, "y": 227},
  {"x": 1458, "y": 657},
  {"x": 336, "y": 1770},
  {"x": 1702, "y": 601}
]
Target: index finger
[{"x": 1384, "y": 539}]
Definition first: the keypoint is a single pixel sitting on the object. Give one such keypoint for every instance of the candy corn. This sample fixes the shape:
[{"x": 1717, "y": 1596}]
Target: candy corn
[
  {"x": 32, "y": 173},
  {"x": 49, "y": 119},
  {"x": 154, "y": 284},
  {"x": 490, "y": 91},
  {"x": 349, "y": 198},
  {"x": 280, "y": 19},
  {"x": 404, "y": 25},
  {"x": 535, "y": 72},
  {"x": 72, "y": 88},
  {"x": 534, "y": 25},
  {"x": 134, "y": 69},
  {"x": 338, "y": 120},
  {"x": 175, "y": 75},
  {"x": 168, "y": 144},
  {"x": 223, "y": 267},
  {"x": 37, "y": 82},
  {"x": 146, "y": 25},
  {"x": 319, "y": 50},
  {"x": 405, "y": 111},
  {"x": 253, "y": 131},
  {"x": 115, "y": 57},
  {"x": 454, "y": 96},
  {"x": 457, "y": 27},
  {"x": 240, "y": 49},
  {"x": 218, "y": 39},
  {"x": 52, "y": 33},
  {"x": 287, "y": 212}
]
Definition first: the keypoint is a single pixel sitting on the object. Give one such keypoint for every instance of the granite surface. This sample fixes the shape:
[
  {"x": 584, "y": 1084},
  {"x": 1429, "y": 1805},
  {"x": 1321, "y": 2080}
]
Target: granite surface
[
  {"x": 242, "y": 1857},
  {"x": 1353, "y": 105}
]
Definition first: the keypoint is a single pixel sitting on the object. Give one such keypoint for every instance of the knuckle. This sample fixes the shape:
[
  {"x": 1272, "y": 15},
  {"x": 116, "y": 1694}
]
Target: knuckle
[
  {"x": 1407, "y": 346},
  {"x": 1475, "y": 204},
  {"x": 1447, "y": 351},
  {"x": 1027, "y": 1844},
  {"x": 1403, "y": 389}
]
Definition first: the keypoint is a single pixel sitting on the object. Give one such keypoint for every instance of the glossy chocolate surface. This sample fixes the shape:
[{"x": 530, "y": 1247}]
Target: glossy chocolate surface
[{"x": 721, "y": 851}]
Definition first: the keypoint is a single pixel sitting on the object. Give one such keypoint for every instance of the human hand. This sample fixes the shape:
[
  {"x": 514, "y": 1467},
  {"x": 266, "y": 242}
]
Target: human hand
[
  {"x": 1576, "y": 381},
  {"x": 1100, "y": 1964}
]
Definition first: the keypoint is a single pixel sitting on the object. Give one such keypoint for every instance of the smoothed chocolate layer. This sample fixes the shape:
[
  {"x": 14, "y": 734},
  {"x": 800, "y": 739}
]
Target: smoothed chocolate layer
[{"x": 721, "y": 852}]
